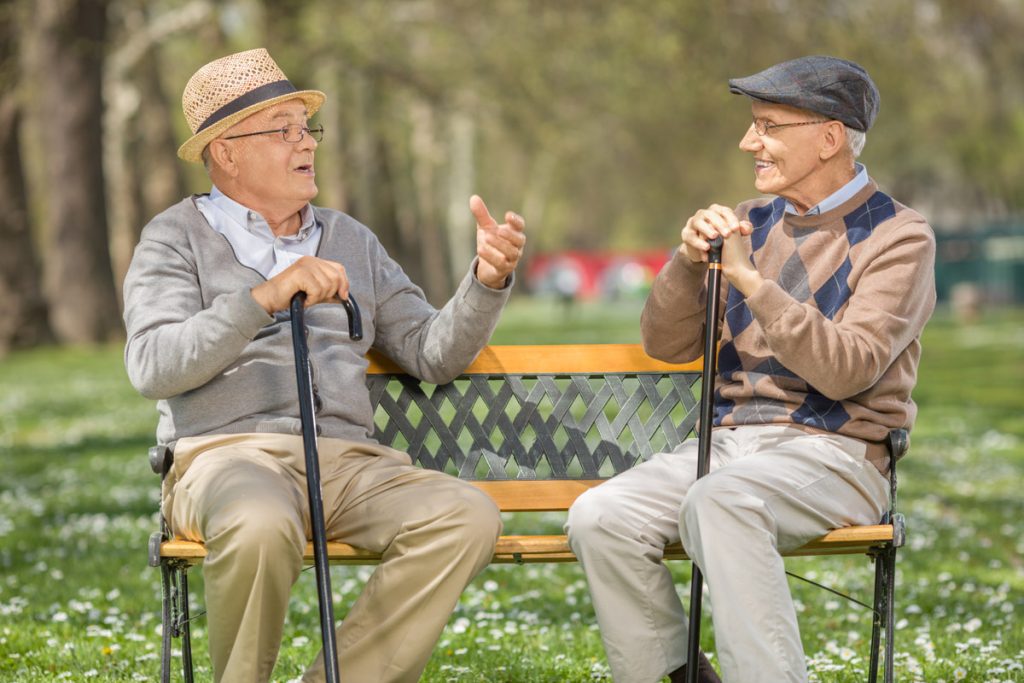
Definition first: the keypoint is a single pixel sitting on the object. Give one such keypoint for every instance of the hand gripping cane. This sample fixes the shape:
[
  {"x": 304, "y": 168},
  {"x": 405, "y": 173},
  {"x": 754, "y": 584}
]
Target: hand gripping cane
[
  {"x": 707, "y": 404},
  {"x": 304, "y": 375}
]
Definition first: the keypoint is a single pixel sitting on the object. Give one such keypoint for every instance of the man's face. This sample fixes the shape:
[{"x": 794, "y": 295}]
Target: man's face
[
  {"x": 271, "y": 170},
  {"x": 786, "y": 160}
]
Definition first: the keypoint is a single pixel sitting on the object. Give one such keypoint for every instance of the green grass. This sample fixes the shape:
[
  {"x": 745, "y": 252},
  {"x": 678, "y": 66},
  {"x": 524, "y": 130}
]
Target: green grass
[{"x": 77, "y": 502}]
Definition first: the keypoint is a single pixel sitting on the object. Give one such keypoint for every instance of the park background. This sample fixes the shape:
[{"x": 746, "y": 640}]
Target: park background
[{"x": 606, "y": 124}]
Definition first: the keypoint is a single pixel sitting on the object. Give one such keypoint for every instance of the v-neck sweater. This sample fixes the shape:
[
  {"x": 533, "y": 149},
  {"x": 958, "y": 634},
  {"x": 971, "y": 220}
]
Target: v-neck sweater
[{"x": 831, "y": 340}]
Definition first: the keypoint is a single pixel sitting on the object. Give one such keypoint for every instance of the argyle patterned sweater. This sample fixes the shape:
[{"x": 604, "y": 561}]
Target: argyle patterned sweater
[{"x": 831, "y": 341}]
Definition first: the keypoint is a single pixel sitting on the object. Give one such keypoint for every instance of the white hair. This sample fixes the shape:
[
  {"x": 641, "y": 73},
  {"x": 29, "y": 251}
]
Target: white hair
[{"x": 855, "y": 140}]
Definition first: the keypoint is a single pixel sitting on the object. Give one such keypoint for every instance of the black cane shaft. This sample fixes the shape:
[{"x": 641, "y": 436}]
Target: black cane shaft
[
  {"x": 707, "y": 405},
  {"x": 316, "y": 504}
]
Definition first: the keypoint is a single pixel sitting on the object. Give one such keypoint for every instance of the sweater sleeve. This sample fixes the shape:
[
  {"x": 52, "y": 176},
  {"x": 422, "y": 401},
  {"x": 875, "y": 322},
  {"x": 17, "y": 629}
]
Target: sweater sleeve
[
  {"x": 889, "y": 307},
  {"x": 175, "y": 345},
  {"x": 433, "y": 345},
  {"x": 672, "y": 320}
]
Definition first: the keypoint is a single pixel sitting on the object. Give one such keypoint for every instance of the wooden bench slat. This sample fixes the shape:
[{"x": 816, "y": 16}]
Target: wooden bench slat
[
  {"x": 535, "y": 495},
  {"x": 557, "y": 359},
  {"x": 555, "y": 547}
]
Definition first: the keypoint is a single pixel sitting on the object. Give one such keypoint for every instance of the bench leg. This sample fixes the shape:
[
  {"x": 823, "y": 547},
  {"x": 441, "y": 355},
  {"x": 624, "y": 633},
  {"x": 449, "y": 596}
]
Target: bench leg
[
  {"x": 167, "y": 622},
  {"x": 884, "y": 614},
  {"x": 186, "y": 626},
  {"x": 889, "y": 559},
  {"x": 876, "y": 619},
  {"x": 175, "y": 620}
]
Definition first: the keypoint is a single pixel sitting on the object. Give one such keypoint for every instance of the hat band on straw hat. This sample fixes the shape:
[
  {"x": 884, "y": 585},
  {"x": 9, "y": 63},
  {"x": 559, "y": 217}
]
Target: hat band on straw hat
[{"x": 255, "y": 96}]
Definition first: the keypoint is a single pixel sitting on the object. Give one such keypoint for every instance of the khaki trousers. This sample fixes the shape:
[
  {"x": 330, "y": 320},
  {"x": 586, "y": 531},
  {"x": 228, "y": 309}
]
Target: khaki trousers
[
  {"x": 245, "y": 496},
  {"x": 770, "y": 489}
]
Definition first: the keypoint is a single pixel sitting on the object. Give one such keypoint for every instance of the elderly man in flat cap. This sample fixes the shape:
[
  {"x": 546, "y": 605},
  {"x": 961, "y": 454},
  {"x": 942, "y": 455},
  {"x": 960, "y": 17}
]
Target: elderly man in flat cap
[
  {"x": 829, "y": 284},
  {"x": 206, "y": 310}
]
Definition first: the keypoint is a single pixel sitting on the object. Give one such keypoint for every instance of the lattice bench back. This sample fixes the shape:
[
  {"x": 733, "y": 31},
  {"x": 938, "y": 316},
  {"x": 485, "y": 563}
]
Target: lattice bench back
[{"x": 566, "y": 412}]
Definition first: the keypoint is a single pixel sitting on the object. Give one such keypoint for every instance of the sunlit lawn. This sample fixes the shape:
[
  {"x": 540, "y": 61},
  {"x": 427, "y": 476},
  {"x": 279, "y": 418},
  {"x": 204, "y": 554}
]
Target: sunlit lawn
[{"x": 77, "y": 502}]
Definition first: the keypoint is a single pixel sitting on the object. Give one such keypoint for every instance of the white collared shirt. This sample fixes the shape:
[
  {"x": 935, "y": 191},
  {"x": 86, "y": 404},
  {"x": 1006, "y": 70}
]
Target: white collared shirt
[
  {"x": 860, "y": 180},
  {"x": 251, "y": 238}
]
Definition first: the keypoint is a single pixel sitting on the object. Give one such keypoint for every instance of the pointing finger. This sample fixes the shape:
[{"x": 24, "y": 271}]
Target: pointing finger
[{"x": 479, "y": 209}]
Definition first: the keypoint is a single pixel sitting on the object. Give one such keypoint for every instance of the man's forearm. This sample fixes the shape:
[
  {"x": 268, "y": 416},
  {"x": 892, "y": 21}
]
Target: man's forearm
[{"x": 672, "y": 320}]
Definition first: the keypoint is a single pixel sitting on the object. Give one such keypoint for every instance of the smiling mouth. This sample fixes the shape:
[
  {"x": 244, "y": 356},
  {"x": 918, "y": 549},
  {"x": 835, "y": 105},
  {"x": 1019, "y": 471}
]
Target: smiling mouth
[{"x": 305, "y": 168}]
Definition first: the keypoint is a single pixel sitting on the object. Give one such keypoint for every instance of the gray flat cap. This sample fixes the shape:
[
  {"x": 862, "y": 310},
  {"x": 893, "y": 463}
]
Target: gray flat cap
[{"x": 829, "y": 86}]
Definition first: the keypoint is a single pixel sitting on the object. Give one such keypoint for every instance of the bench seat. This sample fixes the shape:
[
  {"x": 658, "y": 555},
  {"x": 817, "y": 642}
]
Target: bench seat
[{"x": 555, "y": 548}]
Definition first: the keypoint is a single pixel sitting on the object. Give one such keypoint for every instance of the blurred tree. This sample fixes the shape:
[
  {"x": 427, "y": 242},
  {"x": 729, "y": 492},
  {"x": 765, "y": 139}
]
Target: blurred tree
[
  {"x": 23, "y": 315},
  {"x": 79, "y": 282},
  {"x": 140, "y": 153},
  {"x": 605, "y": 123}
]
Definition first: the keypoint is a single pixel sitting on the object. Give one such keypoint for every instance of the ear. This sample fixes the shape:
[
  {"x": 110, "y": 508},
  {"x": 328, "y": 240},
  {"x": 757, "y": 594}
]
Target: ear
[
  {"x": 223, "y": 156},
  {"x": 833, "y": 140}
]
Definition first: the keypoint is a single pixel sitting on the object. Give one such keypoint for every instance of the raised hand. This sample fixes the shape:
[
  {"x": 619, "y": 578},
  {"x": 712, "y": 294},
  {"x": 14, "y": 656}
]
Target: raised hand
[{"x": 499, "y": 247}]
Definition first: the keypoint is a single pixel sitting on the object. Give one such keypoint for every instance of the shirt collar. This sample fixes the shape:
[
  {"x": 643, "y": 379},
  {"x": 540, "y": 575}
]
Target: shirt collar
[
  {"x": 844, "y": 193},
  {"x": 255, "y": 224}
]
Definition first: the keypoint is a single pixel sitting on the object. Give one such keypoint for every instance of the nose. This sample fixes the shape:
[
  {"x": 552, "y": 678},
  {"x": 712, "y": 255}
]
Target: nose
[
  {"x": 307, "y": 142},
  {"x": 751, "y": 141}
]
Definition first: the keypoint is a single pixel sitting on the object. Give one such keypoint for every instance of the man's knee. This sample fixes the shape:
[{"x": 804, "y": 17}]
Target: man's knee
[
  {"x": 717, "y": 503},
  {"x": 475, "y": 515},
  {"x": 256, "y": 528},
  {"x": 592, "y": 519}
]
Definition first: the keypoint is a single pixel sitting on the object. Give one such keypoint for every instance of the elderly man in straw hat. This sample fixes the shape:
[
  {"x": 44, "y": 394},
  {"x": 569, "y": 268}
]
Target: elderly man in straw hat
[
  {"x": 206, "y": 301},
  {"x": 830, "y": 283}
]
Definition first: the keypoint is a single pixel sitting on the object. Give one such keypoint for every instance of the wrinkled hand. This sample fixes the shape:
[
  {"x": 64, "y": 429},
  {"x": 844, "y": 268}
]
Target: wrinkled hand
[
  {"x": 707, "y": 224},
  {"x": 720, "y": 220},
  {"x": 499, "y": 247},
  {"x": 321, "y": 280}
]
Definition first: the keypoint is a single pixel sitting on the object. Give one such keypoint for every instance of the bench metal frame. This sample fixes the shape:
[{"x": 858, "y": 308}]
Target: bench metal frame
[{"x": 535, "y": 426}]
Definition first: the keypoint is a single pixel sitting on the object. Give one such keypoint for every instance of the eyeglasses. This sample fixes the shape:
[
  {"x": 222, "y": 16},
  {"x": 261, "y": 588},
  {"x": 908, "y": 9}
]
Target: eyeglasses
[
  {"x": 293, "y": 132},
  {"x": 762, "y": 127}
]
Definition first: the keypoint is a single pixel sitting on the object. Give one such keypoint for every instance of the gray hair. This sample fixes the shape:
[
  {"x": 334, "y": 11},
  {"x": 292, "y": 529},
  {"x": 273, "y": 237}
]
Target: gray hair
[{"x": 855, "y": 140}]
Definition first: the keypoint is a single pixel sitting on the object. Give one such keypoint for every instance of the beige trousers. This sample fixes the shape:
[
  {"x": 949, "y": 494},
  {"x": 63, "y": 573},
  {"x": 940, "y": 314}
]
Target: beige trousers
[
  {"x": 245, "y": 496},
  {"x": 770, "y": 489}
]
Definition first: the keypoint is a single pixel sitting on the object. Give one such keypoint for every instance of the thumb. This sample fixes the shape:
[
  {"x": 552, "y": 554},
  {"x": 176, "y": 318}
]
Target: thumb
[{"x": 479, "y": 209}]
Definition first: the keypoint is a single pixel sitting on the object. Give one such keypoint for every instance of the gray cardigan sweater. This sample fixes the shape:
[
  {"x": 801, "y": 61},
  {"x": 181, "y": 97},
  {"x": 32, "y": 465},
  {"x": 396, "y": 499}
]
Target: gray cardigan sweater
[{"x": 218, "y": 363}]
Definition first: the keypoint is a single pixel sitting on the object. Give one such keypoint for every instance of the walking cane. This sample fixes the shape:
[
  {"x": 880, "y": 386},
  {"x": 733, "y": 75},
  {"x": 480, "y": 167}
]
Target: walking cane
[
  {"x": 304, "y": 375},
  {"x": 707, "y": 404}
]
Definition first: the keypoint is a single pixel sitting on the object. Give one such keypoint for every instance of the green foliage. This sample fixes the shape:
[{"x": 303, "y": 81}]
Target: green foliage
[
  {"x": 610, "y": 123},
  {"x": 77, "y": 504}
]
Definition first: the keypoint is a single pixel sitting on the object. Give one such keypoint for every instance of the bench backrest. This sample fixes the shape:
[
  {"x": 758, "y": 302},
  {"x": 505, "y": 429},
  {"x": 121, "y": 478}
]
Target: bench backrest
[{"x": 536, "y": 425}]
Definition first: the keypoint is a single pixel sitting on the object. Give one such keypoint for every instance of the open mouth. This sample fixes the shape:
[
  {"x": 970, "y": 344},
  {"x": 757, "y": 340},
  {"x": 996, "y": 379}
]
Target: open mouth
[{"x": 304, "y": 168}]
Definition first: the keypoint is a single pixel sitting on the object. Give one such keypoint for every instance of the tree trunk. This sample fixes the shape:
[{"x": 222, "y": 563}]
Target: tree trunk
[
  {"x": 425, "y": 223},
  {"x": 461, "y": 226},
  {"x": 165, "y": 184},
  {"x": 79, "y": 281},
  {"x": 374, "y": 199},
  {"x": 143, "y": 174},
  {"x": 331, "y": 177},
  {"x": 23, "y": 320}
]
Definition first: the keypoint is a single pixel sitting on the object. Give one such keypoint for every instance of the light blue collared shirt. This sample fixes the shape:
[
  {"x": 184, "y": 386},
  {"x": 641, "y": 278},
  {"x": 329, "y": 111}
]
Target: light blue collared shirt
[
  {"x": 250, "y": 236},
  {"x": 844, "y": 193}
]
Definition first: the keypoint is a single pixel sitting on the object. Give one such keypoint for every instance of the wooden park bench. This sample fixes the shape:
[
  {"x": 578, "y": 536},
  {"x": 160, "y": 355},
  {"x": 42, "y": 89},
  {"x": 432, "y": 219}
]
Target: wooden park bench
[{"x": 534, "y": 427}]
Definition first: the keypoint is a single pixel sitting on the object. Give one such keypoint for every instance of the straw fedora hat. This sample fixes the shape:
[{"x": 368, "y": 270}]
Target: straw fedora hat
[{"x": 229, "y": 89}]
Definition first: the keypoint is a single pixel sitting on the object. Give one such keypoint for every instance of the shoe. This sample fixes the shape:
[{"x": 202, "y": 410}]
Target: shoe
[{"x": 705, "y": 672}]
